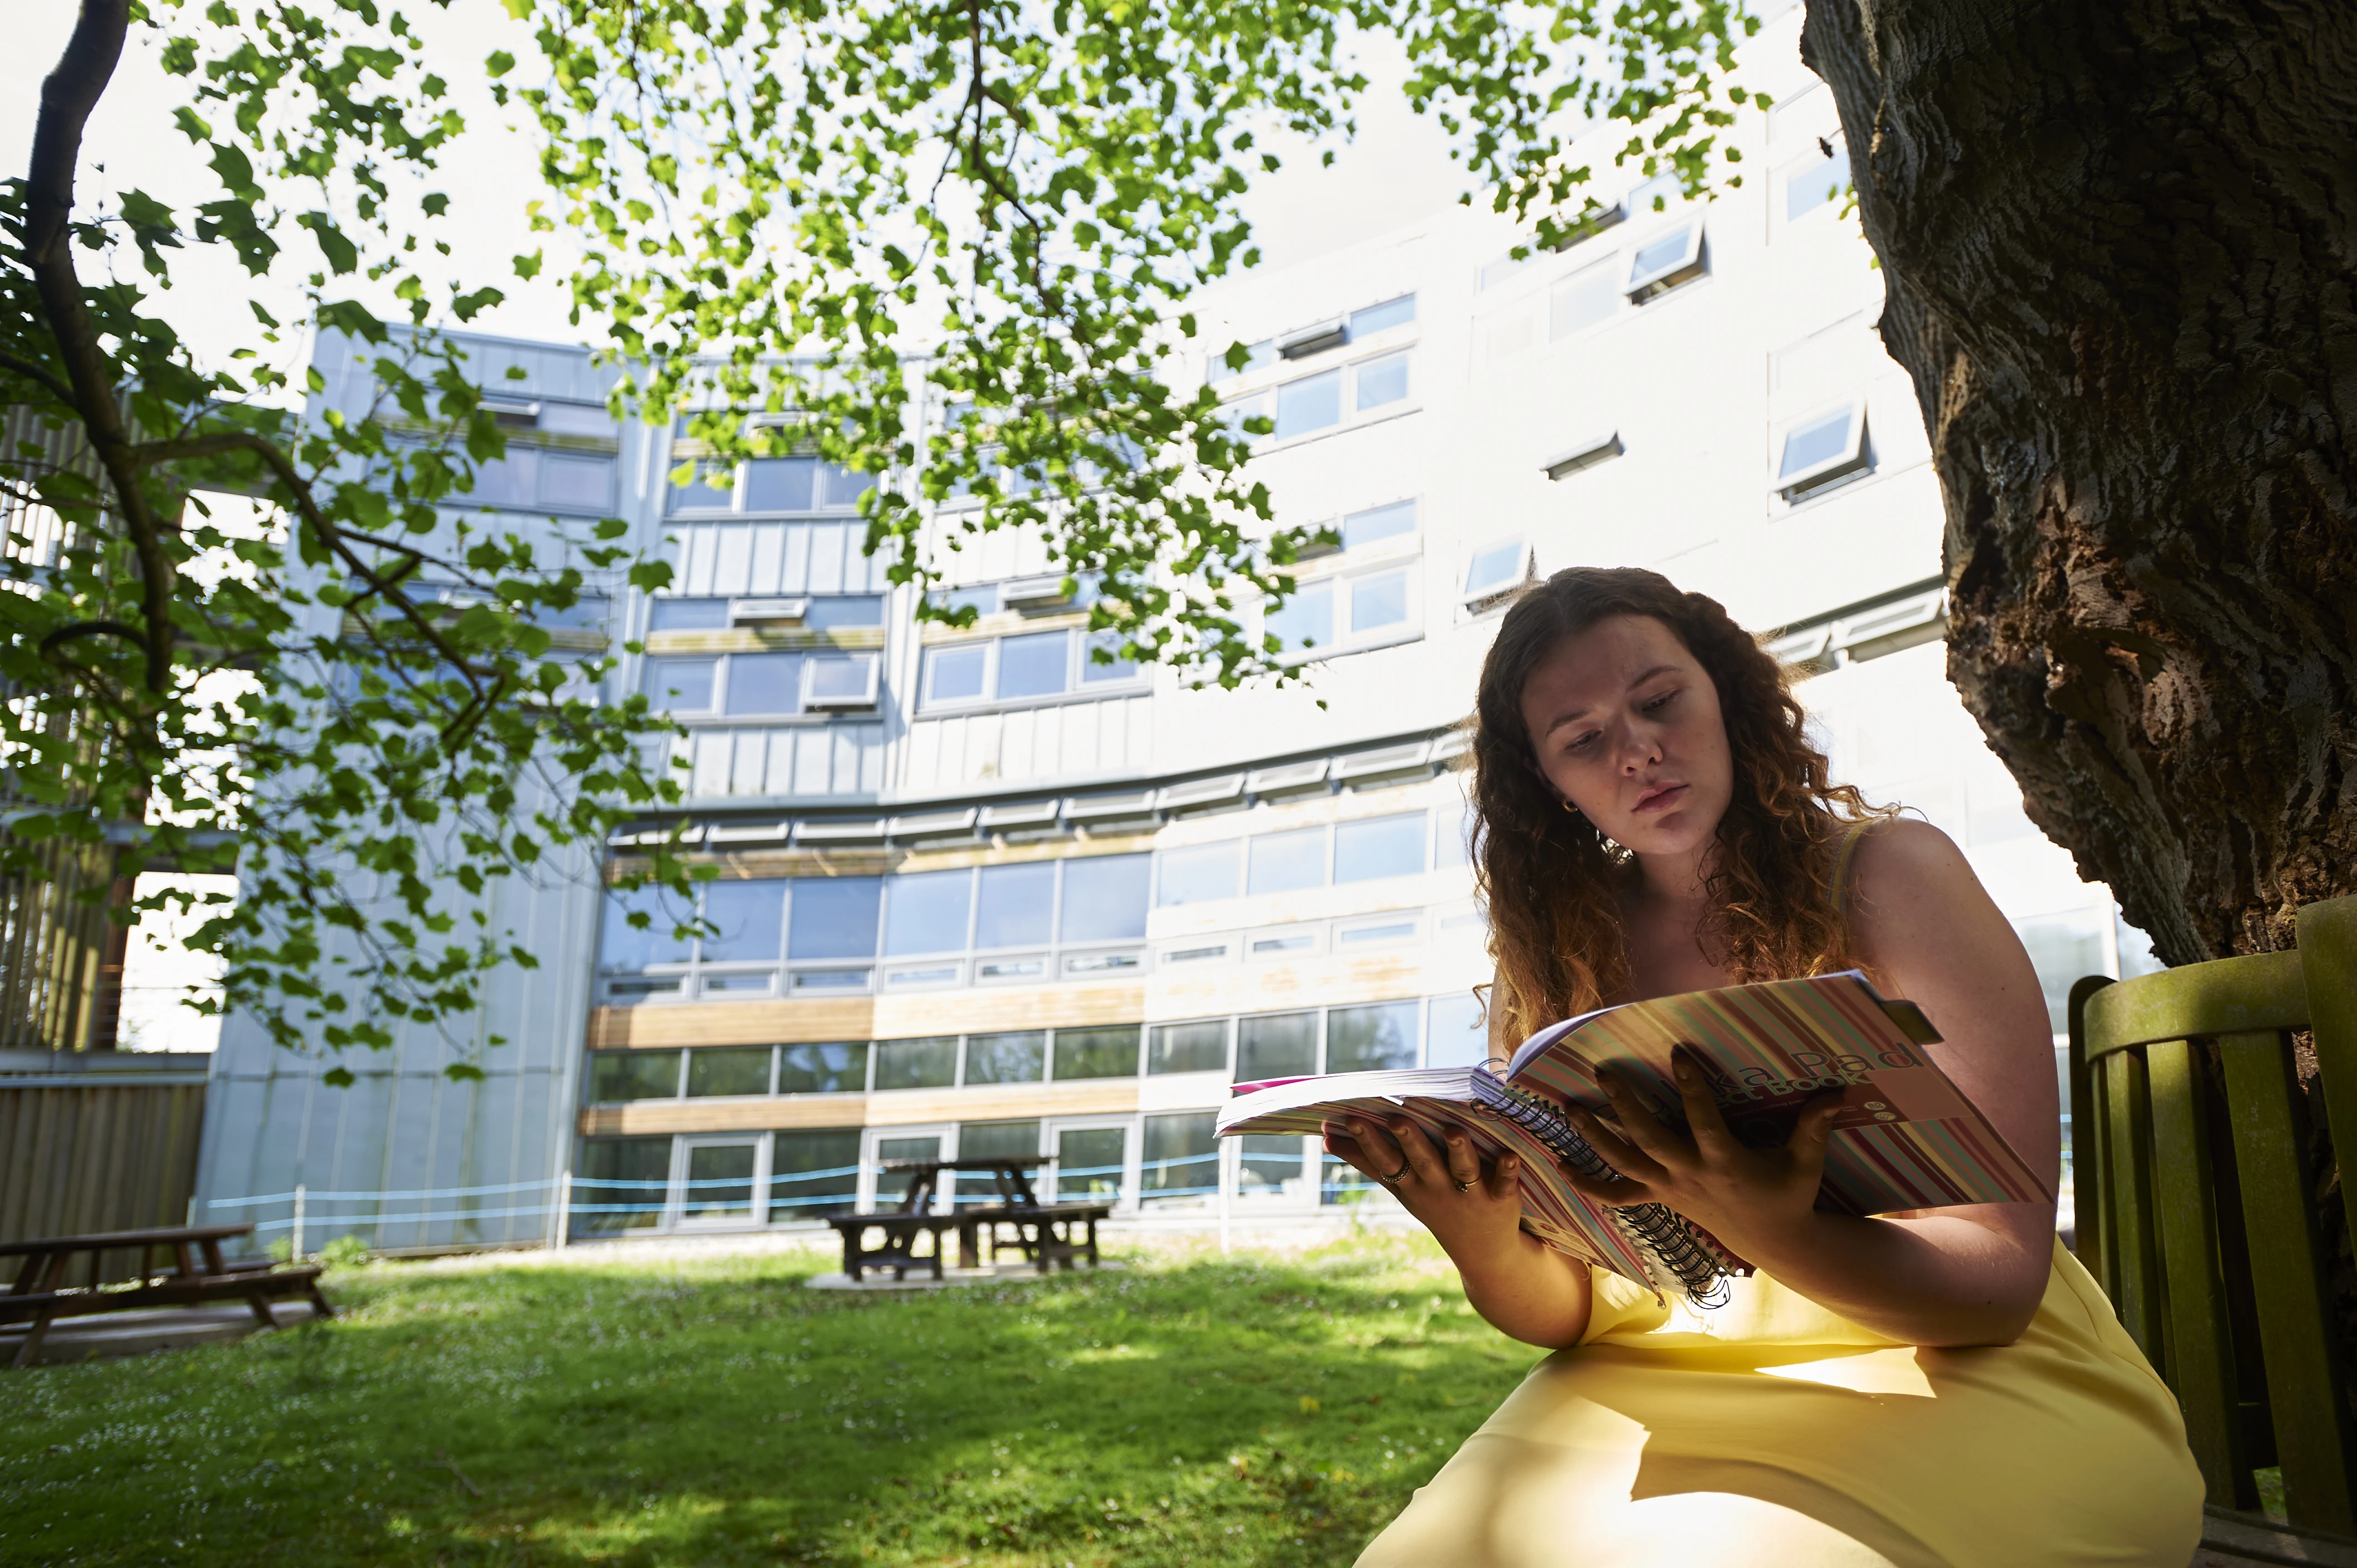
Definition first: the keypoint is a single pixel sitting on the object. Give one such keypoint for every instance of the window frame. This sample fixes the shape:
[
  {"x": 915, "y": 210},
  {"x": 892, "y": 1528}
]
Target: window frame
[
  {"x": 1691, "y": 265},
  {"x": 1080, "y": 685},
  {"x": 1853, "y": 460}
]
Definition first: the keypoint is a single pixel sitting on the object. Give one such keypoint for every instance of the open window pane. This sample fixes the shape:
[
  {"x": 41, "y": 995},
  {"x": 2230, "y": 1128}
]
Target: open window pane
[
  {"x": 1015, "y": 906},
  {"x": 1305, "y": 620},
  {"x": 1379, "y": 601},
  {"x": 1815, "y": 444},
  {"x": 829, "y": 612},
  {"x": 1018, "y": 1057},
  {"x": 765, "y": 683},
  {"x": 835, "y": 917},
  {"x": 1180, "y": 1157},
  {"x": 617, "y": 1077},
  {"x": 750, "y": 917},
  {"x": 735, "y": 1069},
  {"x": 1378, "y": 522},
  {"x": 1276, "y": 1045},
  {"x": 1363, "y": 1039},
  {"x": 1189, "y": 1047},
  {"x": 1034, "y": 666},
  {"x": 1286, "y": 862},
  {"x": 1382, "y": 382},
  {"x": 836, "y": 1068},
  {"x": 843, "y": 678},
  {"x": 1814, "y": 182},
  {"x": 916, "y": 1064},
  {"x": 1381, "y": 317},
  {"x": 927, "y": 912},
  {"x": 1105, "y": 898},
  {"x": 813, "y": 1174},
  {"x": 1089, "y": 1164},
  {"x": 688, "y": 615},
  {"x": 779, "y": 484},
  {"x": 680, "y": 685},
  {"x": 1310, "y": 404},
  {"x": 1379, "y": 846},
  {"x": 1096, "y": 1053},
  {"x": 1494, "y": 570},
  {"x": 1201, "y": 874},
  {"x": 954, "y": 674}
]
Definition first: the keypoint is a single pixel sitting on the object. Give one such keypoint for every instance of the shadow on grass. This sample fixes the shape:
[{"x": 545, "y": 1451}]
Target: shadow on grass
[{"x": 1206, "y": 1412}]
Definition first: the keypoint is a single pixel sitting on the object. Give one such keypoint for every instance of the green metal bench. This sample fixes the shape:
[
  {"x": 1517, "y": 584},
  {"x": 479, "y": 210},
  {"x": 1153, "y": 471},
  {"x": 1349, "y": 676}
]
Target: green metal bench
[{"x": 2193, "y": 1209}]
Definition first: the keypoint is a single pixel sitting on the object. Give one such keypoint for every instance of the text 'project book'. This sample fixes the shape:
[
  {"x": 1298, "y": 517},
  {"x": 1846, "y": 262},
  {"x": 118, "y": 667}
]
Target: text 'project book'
[{"x": 1906, "y": 1138}]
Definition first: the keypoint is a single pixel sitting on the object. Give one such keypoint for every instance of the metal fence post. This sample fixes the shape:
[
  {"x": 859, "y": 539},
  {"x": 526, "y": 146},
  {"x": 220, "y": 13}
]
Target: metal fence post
[
  {"x": 564, "y": 1207},
  {"x": 297, "y": 1247}
]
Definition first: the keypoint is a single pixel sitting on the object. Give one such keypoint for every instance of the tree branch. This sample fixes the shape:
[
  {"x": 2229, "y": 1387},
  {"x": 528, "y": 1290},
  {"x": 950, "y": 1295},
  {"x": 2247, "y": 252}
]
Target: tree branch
[
  {"x": 35, "y": 373},
  {"x": 68, "y": 96}
]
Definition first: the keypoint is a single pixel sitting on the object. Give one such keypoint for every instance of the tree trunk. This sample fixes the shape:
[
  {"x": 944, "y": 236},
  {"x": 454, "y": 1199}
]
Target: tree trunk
[{"x": 2121, "y": 245}]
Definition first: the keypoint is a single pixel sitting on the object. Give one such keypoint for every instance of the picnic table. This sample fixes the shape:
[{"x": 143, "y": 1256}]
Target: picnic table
[
  {"x": 1046, "y": 1234},
  {"x": 193, "y": 1272}
]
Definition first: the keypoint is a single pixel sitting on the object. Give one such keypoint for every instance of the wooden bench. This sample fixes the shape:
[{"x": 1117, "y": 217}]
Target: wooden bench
[
  {"x": 1046, "y": 1234},
  {"x": 196, "y": 1273}
]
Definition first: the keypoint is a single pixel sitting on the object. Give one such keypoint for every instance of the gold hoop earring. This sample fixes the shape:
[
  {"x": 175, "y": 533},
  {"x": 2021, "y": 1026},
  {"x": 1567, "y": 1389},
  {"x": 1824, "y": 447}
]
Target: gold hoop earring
[{"x": 1569, "y": 806}]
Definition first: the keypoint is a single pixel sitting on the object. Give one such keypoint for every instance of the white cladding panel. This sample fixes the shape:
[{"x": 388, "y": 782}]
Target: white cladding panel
[
  {"x": 763, "y": 559},
  {"x": 1074, "y": 739},
  {"x": 799, "y": 759}
]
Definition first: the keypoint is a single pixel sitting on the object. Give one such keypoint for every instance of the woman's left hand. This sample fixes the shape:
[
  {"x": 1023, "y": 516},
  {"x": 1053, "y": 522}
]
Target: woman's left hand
[{"x": 1747, "y": 1198}]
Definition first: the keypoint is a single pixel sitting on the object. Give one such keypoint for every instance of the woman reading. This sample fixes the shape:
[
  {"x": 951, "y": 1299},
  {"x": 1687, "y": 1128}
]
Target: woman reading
[{"x": 1939, "y": 1388}]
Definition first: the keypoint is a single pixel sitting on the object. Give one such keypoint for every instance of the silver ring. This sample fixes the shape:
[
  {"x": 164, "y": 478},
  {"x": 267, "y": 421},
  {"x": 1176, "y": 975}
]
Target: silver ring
[{"x": 1398, "y": 1176}]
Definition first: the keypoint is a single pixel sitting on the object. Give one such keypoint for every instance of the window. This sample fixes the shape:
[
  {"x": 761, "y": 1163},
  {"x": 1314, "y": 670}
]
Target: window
[
  {"x": 623, "y": 946},
  {"x": 1587, "y": 296},
  {"x": 1088, "y": 1162},
  {"x": 812, "y": 1173},
  {"x": 1339, "y": 1181},
  {"x": 892, "y": 1187},
  {"x": 1379, "y": 383},
  {"x": 1020, "y": 1057},
  {"x": 954, "y": 674},
  {"x": 1663, "y": 265},
  {"x": 1497, "y": 569},
  {"x": 710, "y": 486},
  {"x": 749, "y": 921},
  {"x": 2061, "y": 948},
  {"x": 1276, "y": 1045},
  {"x": 617, "y": 1077},
  {"x": 1096, "y": 1053},
  {"x": 835, "y": 917},
  {"x": 1257, "y": 355},
  {"x": 832, "y": 1068},
  {"x": 1015, "y": 906},
  {"x": 1201, "y": 874},
  {"x": 1455, "y": 844},
  {"x": 764, "y": 683},
  {"x": 1460, "y": 1034},
  {"x": 1305, "y": 620},
  {"x": 1365, "y": 1040},
  {"x": 916, "y": 1064},
  {"x": 1286, "y": 862},
  {"x": 834, "y": 612},
  {"x": 1363, "y": 528},
  {"x": 1105, "y": 898},
  {"x": 688, "y": 615},
  {"x": 1816, "y": 181},
  {"x": 1313, "y": 402},
  {"x": 719, "y": 1181},
  {"x": 1189, "y": 1047},
  {"x": 1112, "y": 666},
  {"x": 1180, "y": 1157},
  {"x": 1270, "y": 1163},
  {"x": 1239, "y": 412},
  {"x": 733, "y": 1069},
  {"x": 1378, "y": 602},
  {"x": 982, "y": 600},
  {"x": 1034, "y": 666},
  {"x": 1381, "y": 317},
  {"x": 1828, "y": 449},
  {"x": 802, "y": 484},
  {"x": 992, "y": 1139},
  {"x": 621, "y": 1185},
  {"x": 682, "y": 685},
  {"x": 834, "y": 682},
  {"x": 1376, "y": 847},
  {"x": 926, "y": 912}
]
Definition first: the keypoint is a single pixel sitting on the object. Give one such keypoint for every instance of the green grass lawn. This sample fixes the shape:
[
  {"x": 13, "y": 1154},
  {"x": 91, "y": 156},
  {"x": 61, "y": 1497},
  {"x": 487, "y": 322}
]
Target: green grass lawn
[{"x": 1189, "y": 1409}]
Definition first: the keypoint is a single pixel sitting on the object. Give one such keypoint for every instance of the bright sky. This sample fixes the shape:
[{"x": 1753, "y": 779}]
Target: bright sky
[{"x": 1397, "y": 170}]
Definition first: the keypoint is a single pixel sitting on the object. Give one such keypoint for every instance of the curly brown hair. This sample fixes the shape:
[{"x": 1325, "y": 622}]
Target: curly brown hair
[{"x": 1553, "y": 883}]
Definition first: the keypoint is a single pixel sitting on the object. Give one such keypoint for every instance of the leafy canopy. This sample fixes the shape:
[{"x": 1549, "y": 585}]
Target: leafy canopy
[{"x": 787, "y": 223}]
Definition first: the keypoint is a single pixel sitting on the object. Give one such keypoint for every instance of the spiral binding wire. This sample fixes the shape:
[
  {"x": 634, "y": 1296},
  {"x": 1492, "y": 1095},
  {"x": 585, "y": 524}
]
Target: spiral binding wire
[{"x": 1665, "y": 1235}]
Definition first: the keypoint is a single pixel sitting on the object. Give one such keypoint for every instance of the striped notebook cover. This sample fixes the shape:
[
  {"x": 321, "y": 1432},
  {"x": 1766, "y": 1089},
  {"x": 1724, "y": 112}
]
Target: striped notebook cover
[{"x": 1906, "y": 1138}]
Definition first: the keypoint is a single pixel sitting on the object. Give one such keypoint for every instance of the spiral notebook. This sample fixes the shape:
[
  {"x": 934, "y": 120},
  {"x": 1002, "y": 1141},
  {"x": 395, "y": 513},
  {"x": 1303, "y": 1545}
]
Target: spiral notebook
[{"x": 1906, "y": 1138}]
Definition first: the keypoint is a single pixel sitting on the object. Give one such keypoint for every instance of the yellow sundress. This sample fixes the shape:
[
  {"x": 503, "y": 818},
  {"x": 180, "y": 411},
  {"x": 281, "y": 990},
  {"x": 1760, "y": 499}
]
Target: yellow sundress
[{"x": 1771, "y": 1432}]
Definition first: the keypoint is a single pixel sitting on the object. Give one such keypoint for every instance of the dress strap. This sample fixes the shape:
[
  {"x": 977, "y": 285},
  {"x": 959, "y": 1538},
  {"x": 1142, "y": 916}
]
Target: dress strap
[{"x": 1850, "y": 841}]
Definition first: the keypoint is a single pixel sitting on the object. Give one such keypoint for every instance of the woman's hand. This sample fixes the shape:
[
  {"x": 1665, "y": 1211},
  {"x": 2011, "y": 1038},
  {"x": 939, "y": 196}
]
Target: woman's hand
[
  {"x": 1474, "y": 1210},
  {"x": 1749, "y": 1198}
]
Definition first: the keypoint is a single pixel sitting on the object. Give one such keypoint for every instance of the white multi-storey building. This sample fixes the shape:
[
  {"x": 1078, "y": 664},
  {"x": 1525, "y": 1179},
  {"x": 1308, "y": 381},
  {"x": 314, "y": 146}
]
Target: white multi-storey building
[{"x": 979, "y": 895}]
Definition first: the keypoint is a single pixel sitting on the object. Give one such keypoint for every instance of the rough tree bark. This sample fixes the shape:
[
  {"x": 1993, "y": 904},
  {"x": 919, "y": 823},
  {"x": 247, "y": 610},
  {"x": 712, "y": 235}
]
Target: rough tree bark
[{"x": 2121, "y": 245}]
